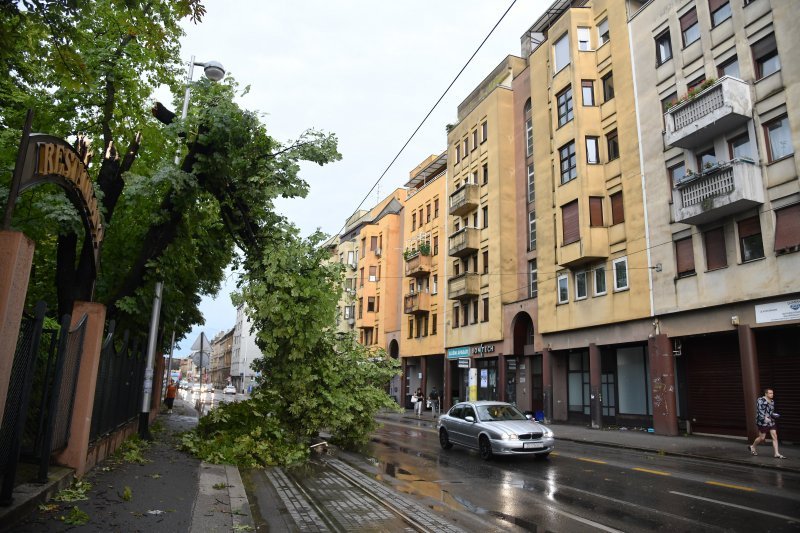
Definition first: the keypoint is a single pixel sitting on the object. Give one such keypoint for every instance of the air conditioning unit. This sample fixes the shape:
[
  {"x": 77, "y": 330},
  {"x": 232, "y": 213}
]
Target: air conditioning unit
[{"x": 378, "y": 252}]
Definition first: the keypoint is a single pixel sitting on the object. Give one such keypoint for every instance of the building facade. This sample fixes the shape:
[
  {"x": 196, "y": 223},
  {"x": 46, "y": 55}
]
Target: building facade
[
  {"x": 243, "y": 352},
  {"x": 221, "y": 353}
]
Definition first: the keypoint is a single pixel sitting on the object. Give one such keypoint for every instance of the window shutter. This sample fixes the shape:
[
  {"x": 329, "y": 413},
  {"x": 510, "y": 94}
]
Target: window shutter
[
  {"x": 716, "y": 256},
  {"x": 595, "y": 211},
  {"x": 787, "y": 228},
  {"x": 749, "y": 227},
  {"x": 764, "y": 46},
  {"x": 617, "y": 209},
  {"x": 688, "y": 19},
  {"x": 569, "y": 214},
  {"x": 684, "y": 256},
  {"x": 713, "y": 5}
]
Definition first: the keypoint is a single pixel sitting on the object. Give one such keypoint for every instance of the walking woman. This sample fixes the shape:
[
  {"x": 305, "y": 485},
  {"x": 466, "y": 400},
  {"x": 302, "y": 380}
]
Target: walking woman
[
  {"x": 765, "y": 420},
  {"x": 420, "y": 400}
]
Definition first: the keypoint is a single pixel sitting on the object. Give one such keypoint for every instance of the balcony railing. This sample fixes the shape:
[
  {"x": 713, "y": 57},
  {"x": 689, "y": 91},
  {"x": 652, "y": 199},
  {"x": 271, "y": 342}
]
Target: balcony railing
[
  {"x": 465, "y": 241},
  {"x": 722, "y": 190},
  {"x": 465, "y": 199},
  {"x": 464, "y": 286},
  {"x": 711, "y": 113},
  {"x": 417, "y": 303},
  {"x": 418, "y": 265}
]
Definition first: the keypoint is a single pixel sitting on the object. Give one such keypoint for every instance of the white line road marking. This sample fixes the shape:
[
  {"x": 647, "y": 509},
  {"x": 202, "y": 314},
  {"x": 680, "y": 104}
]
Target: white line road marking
[
  {"x": 776, "y": 515},
  {"x": 577, "y": 518}
]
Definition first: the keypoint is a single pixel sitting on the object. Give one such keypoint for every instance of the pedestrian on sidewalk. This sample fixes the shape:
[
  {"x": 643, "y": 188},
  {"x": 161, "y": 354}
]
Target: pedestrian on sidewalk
[
  {"x": 172, "y": 391},
  {"x": 766, "y": 421},
  {"x": 418, "y": 400},
  {"x": 434, "y": 399}
]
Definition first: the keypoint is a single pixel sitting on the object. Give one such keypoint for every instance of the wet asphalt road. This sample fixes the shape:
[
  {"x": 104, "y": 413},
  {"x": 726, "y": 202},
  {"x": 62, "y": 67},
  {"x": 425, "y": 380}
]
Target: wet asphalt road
[{"x": 587, "y": 488}]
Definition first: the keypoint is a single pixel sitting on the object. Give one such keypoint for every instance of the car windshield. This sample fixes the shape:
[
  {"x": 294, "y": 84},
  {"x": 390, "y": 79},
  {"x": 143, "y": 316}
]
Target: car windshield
[{"x": 489, "y": 413}]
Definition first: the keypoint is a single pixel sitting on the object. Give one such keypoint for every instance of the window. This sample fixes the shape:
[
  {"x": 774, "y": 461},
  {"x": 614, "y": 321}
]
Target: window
[
  {"x": 600, "y": 280},
  {"x": 465, "y": 314},
  {"x": 474, "y": 139},
  {"x": 373, "y": 273},
  {"x": 425, "y": 326},
  {"x": 740, "y": 147},
  {"x": 617, "y": 209},
  {"x": 676, "y": 174},
  {"x": 531, "y": 185},
  {"x": 602, "y": 32},
  {"x": 377, "y": 304},
  {"x": 456, "y": 268},
  {"x": 531, "y": 231},
  {"x": 580, "y": 285},
  {"x": 486, "y": 309},
  {"x": 613, "y": 145},
  {"x": 528, "y": 129},
  {"x": 595, "y": 211},
  {"x": 413, "y": 221},
  {"x": 486, "y": 262},
  {"x": 787, "y": 229},
  {"x": 475, "y": 312},
  {"x": 564, "y": 106},
  {"x": 563, "y": 289},
  {"x": 729, "y": 68},
  {"x": 361, "y": 280},
  {"x": 466, "y": 147},
  {"x": 485, "y": 216},
  {"x": 608, "y": 87},
  {"x": 410, "y": 328},
  {"x": 568, "y": 164},
  {"x": 348, "y": 311},
  {"x": 455, "y": 316},
  {"x": 485, "y": 173},
  {"x": 592, "y": 151},
  {"x": 690, "y": 29},
  {"x": 361, "y": 308},
  {"x": 560, "y": 53},
  {"x": 484, "y": 131},
  {"x": 663, "y": 48},
  {"x": 436, "y": 208},
  {"x": 587, "y": 92},
  {"x": 716, "y": 255},
  {"x": 474, "y": 263},
  {"x": 428, "y": 213},
  {"x": 750, "y": 239},
  {"x": 620, "y": 267},
  {"x": 474, "y": 219},
  {"x": 684, "y": 257},
  {"x": 419, "y": 327},
  {"x": 583, "y": 39},
  {"x": 436, "y": 245},
  {"x": 371, "y": 304},
  {"x": 433, "y": 324},
  {"x": 569, "y": 220},
  {"x": 351, "y": 257},
  {"x": 435, "y": 284},
  {"x": 533, "y": 275},
  {"x": 458, "y": 153},
  {"x": 779, "y": 139},
  {"x": 364, "y": 247},
  {"x": 720, "y": 11},
  {"x": 695, "y": 83}
]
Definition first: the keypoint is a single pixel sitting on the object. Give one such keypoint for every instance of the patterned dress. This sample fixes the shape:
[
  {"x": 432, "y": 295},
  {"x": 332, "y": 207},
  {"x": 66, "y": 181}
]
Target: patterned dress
[{"x": 764, "y": 410}]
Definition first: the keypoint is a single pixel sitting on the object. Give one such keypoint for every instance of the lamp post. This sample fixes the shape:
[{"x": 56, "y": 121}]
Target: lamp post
[{"x": 214, "y": 72}]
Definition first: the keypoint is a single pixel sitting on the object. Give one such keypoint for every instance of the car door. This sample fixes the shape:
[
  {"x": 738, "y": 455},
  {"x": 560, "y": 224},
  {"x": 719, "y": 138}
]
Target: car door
[
  {"x": 471, "y": 429},
  {"x": 454, "y": 424}
]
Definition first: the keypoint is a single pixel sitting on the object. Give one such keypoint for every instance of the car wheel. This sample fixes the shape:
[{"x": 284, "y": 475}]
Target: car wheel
[
  {"x": 485, "y": 448},
  {"x": 444, "y": 439}
]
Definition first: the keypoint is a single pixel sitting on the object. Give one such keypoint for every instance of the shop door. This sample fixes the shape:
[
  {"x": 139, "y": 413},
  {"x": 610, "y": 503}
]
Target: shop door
[
  {"x": 487, "y": 379},
  {"x": 511, "y": 380},
  {"x": 779, "y": 369},
  {"x": 578, "y": 387}
]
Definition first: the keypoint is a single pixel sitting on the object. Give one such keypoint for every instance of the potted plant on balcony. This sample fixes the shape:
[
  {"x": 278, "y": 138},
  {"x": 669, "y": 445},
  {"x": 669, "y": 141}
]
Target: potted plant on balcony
[{"x": 425, "y": 248}]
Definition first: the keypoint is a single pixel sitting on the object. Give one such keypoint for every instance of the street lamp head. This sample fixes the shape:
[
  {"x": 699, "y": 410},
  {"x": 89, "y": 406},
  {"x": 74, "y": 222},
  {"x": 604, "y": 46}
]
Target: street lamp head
[{"x": 214, "y": 70}]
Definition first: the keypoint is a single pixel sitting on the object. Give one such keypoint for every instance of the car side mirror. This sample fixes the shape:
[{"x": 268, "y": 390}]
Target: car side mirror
[{"x": 469, "y": 418}]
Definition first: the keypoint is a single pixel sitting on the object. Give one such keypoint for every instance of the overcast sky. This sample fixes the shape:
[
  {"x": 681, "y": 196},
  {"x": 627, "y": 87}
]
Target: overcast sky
[{"x": 368, "y": 71}]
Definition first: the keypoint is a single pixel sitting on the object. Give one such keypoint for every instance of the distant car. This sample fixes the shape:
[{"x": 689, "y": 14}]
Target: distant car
[
  {"x": 208, "y": 387},
  {"x": 494, "y": 428},
  {"x": 230, "y": 389},
  {"x": 195, "y": 387}
]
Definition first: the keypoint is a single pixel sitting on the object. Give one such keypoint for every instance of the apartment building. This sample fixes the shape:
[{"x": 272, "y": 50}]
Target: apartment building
[
  {"x": 723, "y": 205},
  {"x": 379, "y": 271},
  {"x": 593, "y": 277},
  {"x": 243, "y": 352},
  {"x": 344, "y": 249},
  {"x": 482, "y": 244},
  {"x": 221, "y": 353},
  {"x": 421, "y": 345}
]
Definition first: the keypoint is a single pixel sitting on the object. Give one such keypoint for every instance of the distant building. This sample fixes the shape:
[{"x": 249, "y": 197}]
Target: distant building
[
  {"x": 244, "y": 352},
  {"x": 221, "y": 355}
]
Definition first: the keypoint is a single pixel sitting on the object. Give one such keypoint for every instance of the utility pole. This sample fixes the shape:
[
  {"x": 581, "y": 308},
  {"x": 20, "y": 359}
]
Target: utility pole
[{"x": 144, "y": 416}]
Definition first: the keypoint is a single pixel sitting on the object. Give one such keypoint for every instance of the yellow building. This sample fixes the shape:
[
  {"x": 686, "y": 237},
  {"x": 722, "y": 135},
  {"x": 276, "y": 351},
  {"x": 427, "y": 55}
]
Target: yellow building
[
  {"x": 482, "y": 243},
  {"x": 421, "y": 342},
  {"x": 344, "y": 250},
  {"x": 593, "y": 280}
]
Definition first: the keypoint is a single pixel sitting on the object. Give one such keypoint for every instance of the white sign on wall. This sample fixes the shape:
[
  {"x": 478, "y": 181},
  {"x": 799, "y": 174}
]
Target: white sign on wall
[{"x": 778, "y": 311}]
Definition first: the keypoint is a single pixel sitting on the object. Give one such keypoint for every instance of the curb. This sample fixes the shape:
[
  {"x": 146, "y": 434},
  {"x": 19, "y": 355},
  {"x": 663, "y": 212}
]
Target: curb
[{"x": 28, "y": 496}]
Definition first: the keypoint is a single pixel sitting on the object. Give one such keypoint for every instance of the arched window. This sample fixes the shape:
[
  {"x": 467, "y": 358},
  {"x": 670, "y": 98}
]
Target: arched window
[{"x": 528, "y": 129}]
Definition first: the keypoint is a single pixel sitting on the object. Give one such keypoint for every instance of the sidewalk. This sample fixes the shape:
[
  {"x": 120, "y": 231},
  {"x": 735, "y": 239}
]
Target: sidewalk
[
  {"x": 722, "y": 449},
  {"x": 170, "y": 491}
]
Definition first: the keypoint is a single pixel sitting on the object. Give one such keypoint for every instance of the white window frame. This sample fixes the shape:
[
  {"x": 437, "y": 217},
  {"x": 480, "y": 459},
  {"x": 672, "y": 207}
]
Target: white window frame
[
  {"x": 562, "y": 46},
  {"x": 592, "y": 150},
  {"x": 531, "y": 184},
  {"x": 533, "y": 279},
  {"x": 621, "y": 261},
  {"x": 578, "y": 275},
  {"x": 602, "y": 28},
  {"x": 435, "y": 284},
  {"x": 562, "y": 282},
  {"x": 528, "y": 137},
  {"x": 597, "y": 271},
  {"x": 584, "y": 39},
  {"x": 531, "y": 231}
]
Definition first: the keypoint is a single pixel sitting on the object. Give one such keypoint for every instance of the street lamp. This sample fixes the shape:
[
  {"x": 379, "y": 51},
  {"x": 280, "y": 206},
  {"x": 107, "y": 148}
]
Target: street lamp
[{"x": 213, "y": 70}]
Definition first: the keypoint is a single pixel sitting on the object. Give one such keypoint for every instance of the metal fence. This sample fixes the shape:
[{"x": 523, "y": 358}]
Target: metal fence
[{"x": 119, "y": 384}]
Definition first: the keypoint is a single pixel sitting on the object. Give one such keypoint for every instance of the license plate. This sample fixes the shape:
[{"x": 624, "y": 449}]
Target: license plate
[{"x": 533, "y": 445}]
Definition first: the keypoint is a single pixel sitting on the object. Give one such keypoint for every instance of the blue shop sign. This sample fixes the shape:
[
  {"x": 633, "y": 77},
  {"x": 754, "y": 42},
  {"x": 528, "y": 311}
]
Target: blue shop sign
[{"x": 456, "y": 353}]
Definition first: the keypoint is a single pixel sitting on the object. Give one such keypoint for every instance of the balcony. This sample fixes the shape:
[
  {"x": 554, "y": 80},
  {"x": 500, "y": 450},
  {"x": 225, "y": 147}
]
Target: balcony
[
  {"x": 722, "y": 190},
  {"x": 591, "y": 247},
  {"x": 367, "y": 321},
  {"x": 712, "y": 113},
  {"x": 465, "y": 199},
  {"x": 465, "y": 241},
  {"x": 464, "y": 286},
  {"x": 418, "y": 265},
  {"x": 417, "y": 303}
]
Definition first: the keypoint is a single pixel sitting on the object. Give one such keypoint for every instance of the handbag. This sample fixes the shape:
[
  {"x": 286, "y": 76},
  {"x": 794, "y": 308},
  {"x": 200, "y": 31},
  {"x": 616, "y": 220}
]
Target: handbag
[{"x": 414, "y": 399}]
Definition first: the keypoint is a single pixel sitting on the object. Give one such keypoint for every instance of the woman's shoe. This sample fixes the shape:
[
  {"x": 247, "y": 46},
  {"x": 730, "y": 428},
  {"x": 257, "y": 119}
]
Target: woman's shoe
[
  {"x": 779, "y": 456},
  {"x": 752, "y": 450}
]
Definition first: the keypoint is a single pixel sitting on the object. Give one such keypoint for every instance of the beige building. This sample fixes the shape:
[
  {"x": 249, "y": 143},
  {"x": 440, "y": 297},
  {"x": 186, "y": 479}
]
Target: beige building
[
  {"x": 221, "y": 350},
  {"x": 593, "y": 283},
  {"x": 421, "y": 342},
  {"x": 723, "y": 203},
  {"x": 344, "y": 249},
  {"x": 482, "y": 244}
]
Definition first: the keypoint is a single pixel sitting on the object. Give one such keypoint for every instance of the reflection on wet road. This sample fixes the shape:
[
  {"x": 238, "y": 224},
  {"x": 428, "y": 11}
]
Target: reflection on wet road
[{"x": 584, "y": 487}]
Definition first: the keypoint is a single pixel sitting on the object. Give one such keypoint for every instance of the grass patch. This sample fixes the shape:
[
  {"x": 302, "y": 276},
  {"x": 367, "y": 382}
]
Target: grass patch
[{"x": 77, "y": 492}]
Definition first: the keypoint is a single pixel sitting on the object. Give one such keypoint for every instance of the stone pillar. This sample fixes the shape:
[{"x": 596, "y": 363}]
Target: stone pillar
[
  {"x": 595, "y": 387},
  {"x": 750, "y": 377},
  {"x": 662, "y": 380},
  {"x": 547, "y": 384},
  {"x": 403, "y": 369},
  {"x": 447, "y": 393},
  {"x": 423, "y": 365},
  {"x": 75, "y": 453},
  {"x": 16, "y": 258},
  {"x": 501, "y": 377}
]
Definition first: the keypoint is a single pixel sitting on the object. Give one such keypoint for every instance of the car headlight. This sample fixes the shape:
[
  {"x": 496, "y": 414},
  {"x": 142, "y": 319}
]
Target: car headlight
[
  {"x": 508, "y": 436},
  {"x": 547, "y": 433}
]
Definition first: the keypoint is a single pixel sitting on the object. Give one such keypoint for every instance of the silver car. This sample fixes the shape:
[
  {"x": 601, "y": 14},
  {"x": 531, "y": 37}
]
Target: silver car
[{"x": 494, "y": 428}]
